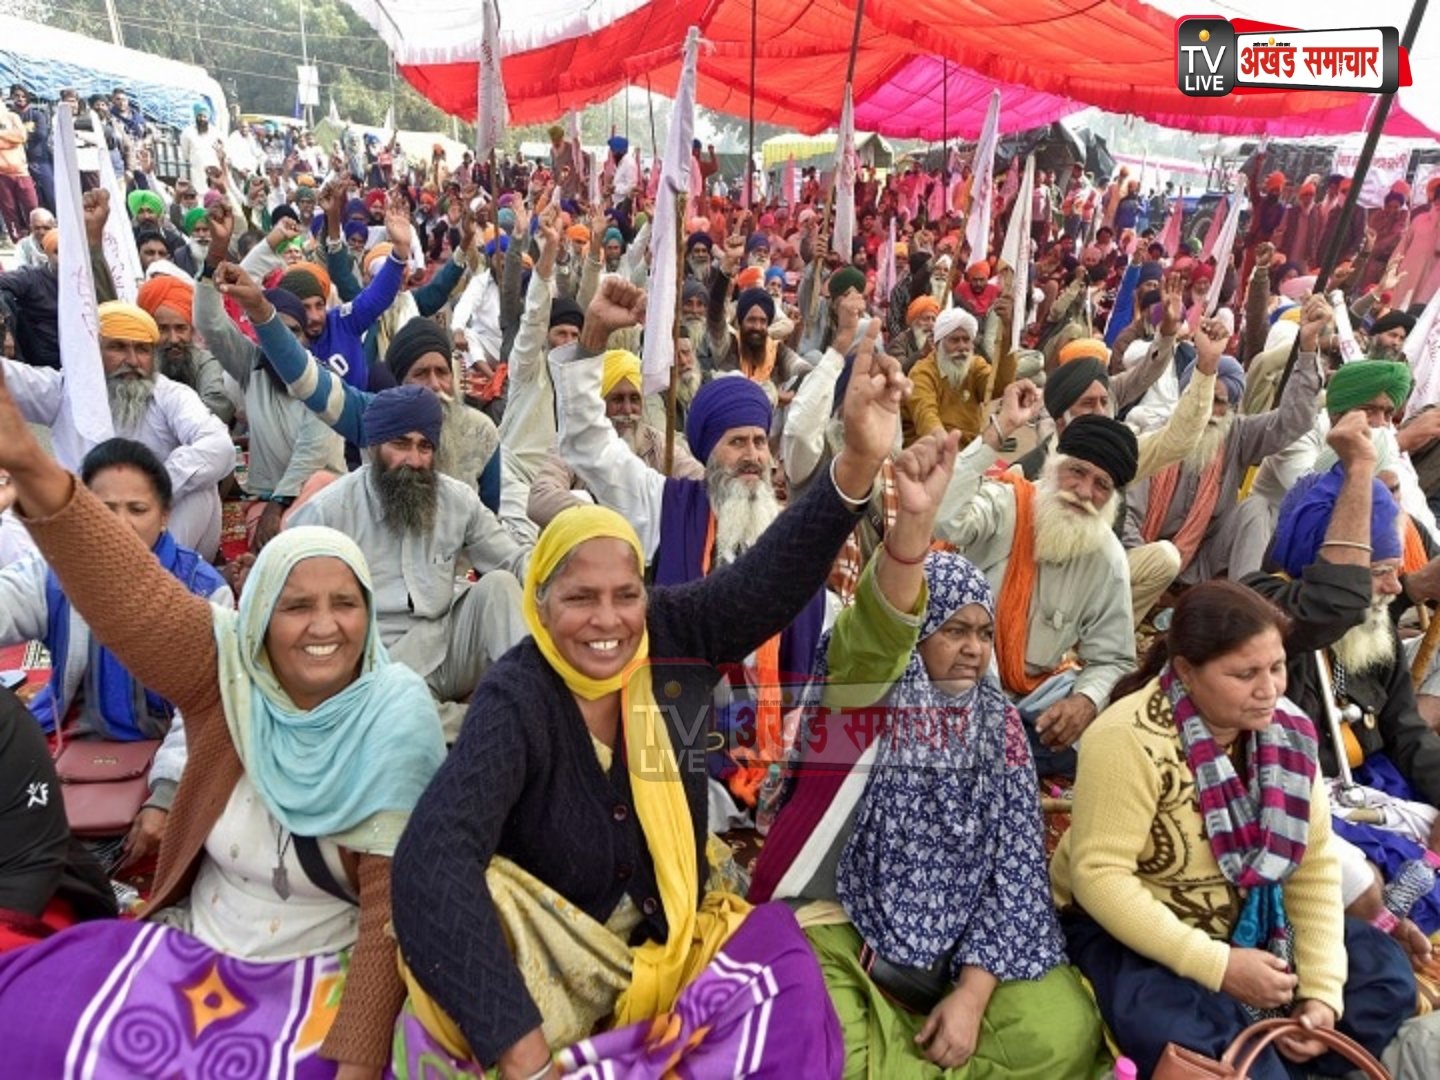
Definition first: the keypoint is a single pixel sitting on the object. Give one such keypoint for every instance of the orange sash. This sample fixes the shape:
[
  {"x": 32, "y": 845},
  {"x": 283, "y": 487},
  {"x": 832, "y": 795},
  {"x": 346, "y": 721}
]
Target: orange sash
[
  {"x": 1016, "y": 590},
  {"x": 1414, "y": 555},
  {"x": 1197, "y": 521},
  {"x": 754, "y": 762},
  {"x": 767, "y": 366}
]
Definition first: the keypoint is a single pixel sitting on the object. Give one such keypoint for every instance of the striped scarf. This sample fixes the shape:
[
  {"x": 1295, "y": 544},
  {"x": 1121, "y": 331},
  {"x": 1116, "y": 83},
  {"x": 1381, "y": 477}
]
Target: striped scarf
[{"x": 1257, "y": 827}]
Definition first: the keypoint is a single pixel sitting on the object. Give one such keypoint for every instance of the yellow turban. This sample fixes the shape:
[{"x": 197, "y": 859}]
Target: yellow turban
[
  {"x": 127, "y": 322},
  {"x": 379, "y": 251},
  {"x": 1094, "y": 348},
  {"x": 620, "y": 366}
]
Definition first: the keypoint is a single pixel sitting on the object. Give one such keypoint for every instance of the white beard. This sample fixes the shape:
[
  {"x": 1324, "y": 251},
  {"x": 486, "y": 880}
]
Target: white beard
[
  {"x": 629, "y": 433},
  {"x": 1211, "y": 440},
  {"x": 922, "y": 338},
  {"x": 129, "y": 401},
  {"x": 952, "y": 371},
  {"x": 743, "y": 511},
  {"x": 1369, "y": 645},
  {"x": 1061, "y": 534}
]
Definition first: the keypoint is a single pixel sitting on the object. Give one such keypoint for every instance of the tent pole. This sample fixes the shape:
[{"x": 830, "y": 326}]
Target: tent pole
[
  {"x": 750, "y": 141},
  {"x": 672, "y": 392},
  {"x": 944, "y": 114},
  {"x": 1372, "y": 139},
  {"x": 650, "y": 100}
]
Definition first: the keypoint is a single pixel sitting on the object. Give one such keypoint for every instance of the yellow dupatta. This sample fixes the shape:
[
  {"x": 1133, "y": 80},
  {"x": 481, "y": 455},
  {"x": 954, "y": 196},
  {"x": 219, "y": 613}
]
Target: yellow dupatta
[{"x": 661, "y": 968}]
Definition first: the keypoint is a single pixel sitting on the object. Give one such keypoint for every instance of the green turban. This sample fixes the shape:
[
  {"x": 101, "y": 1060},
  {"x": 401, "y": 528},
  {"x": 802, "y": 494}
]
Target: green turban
[
  {"x": 144, "y": 200},
  {"x": 1364, "y": 380},
  {"x": 843, "y": 280},
  {"x": 192, "y": 218}
]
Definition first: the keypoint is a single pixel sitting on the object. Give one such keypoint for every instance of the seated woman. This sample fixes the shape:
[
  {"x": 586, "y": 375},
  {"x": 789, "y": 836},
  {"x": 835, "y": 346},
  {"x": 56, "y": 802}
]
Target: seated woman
[
  {"x": 308, "y": 749},
  {"x": 552, "y": 881},
  {"x": 47, "y": 880},
  {"x": 1198, "y": 885},
  {"x": 89, "y": 688},
  {"x": 919, "y": 870}
]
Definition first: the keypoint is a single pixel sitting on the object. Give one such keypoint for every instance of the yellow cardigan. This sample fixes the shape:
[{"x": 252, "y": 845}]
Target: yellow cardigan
[
  {"x": 1137, "y": 861},
  {"x": 933, "y": 402}
]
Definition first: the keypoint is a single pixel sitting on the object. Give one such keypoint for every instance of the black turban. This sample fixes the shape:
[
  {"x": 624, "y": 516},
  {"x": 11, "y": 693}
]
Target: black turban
[
  {"x": 1103, "y": 442},
  {"x": 417, "y": 338},
  {"x": 752, "y": 298},
  {"x": 1390, "y": 320},
  {"x": 566, "y": 312},
  {"x": 1066, "y": 383},
  {"x": 287, "y": 303}
]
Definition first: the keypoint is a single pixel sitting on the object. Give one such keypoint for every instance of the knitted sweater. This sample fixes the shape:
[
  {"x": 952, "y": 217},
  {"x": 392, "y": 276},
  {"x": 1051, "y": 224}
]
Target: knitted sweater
[
  {"x": 165, "y": 636},
  {"x": 523, "y": 781},
  {"x": 935, "y": 402},
  {"x": 1137, "y": 860}
]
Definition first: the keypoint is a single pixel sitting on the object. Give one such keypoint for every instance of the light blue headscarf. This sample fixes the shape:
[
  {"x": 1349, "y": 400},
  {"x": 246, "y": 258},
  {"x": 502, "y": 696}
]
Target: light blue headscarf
[{"x": 352, "y": 768}]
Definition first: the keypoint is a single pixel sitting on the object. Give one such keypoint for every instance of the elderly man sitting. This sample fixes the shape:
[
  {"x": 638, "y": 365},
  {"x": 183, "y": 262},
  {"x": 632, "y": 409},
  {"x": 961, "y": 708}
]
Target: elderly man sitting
[
  {"x": 171, "y": 303},
  {"x": 557, "y": 486},
  {"x": 916, "y": 341},
  {"x": 415, "y": 525},
  {"x": 147, "y": 407},
  {"x": 1050, "y": 553},
  {"x": 951, "y": 381}
]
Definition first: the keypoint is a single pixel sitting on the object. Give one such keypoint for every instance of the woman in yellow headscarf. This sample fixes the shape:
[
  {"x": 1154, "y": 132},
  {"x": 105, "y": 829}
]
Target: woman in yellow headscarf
[{"x": 554, "y": 884}]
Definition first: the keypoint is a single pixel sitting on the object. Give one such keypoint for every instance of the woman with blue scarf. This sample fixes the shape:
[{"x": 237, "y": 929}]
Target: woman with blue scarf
[
  {"x": 90, "y": 691},
  {"x": 1198, "y": 884},
  {"x": 263, "y": 950},
  {"x": 912, "y": 844}
]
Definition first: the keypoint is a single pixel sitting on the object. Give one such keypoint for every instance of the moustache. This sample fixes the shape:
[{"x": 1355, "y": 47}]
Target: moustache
[
  {"x": 1076, "y": 501},
  {"x": 747, "y": 470}
]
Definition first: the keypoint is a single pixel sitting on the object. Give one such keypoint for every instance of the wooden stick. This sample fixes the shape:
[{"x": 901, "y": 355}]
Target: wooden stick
[
  {"x": 1426, "y": 652},
  {"x": 673, "y": 392}
]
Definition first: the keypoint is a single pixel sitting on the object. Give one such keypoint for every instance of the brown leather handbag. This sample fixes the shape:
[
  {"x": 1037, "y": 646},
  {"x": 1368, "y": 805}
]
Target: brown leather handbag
[
  {"x": 1178, "y": 1063},
  {"x": 104, "y": 783}
]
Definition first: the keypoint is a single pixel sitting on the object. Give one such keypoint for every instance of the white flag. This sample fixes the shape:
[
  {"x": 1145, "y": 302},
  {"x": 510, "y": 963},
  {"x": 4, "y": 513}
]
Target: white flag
[
  {"x": 1170, "y": 236},
  {"x": 572, "y": 124},
  {"x": 84, "y": 419},
  {"x": 846, "y": 166},
  {"x": 1422, "y": 350},
  {"x": 121, "y": 254},
  {"x": 982, "y": 184},
  {"x": 792, "y": 191},
  {"x": 1350, "y": 350},
  {"x": 1217, "y": 223},
  {"x": 885, "y": 271},
  {"x": 334, "y": 115},
  {"x": 389, "y": 125},
  {"x": 493, "y": 111},
  {"x": 1223, "y": 247},
  {"x": 1015, "y": 252},
  {"x": 1012, "y": 182},
  {"x": 659, "y": 346}
]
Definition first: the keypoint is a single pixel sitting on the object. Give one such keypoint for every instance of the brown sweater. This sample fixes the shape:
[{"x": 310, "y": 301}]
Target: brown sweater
[{"x": 164, "y": 635}]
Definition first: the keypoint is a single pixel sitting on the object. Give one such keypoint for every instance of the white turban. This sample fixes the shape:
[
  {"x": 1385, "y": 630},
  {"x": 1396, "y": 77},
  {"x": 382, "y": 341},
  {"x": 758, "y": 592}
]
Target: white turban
[{"x": 952, "y": 319}]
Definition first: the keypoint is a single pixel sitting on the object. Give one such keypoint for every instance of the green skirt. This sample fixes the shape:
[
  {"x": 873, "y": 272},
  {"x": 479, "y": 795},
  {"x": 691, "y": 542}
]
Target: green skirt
[{"x": 1048, "y": 1029}]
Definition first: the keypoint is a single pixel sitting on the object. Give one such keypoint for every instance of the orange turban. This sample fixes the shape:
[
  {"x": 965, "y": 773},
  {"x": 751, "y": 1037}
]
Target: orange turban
[
  {"x": 126, "y": 322},
  {"x": 162, "y": 290},
  {"x": 749, "y": 277},
  {"x": 1275, "y": 182},
  {"x": 379, "y": 251},
  {"x": 51, "y": 244},
  {"x": 920, "y": 306},
  {"x": 579, "y": 233},
  {"x": 1080, "y": 348},
  {"x": 981, "y": 267}
]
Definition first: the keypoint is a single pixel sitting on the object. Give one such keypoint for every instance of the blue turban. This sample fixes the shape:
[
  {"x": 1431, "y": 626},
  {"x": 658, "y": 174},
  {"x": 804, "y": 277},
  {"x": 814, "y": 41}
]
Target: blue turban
[
  {"x": 698, "y": 239},
  {"x": 757, "y": 242},
  {"x": 750, "y": 298},
  {"x": 356, "y": 208},
  {"x": 355, "y": 229},
  {"x": 1230, "y": 373},
  {"x": 287, "y": 303},
  {"x": 612, "y": 235},
  {"x": 731, "y": 401},
  {"x": 500, "y": 243},
  {"x": 1151, "y": 271},
  {"x": 693, "y": 290},
  {"x": 773, "y": 273},
  {"x": 618, "y": 145},
  {"x": 401, "y": 410},
  {"x": 506, "y": 218},
  {"x": 1305, "y": 516}
]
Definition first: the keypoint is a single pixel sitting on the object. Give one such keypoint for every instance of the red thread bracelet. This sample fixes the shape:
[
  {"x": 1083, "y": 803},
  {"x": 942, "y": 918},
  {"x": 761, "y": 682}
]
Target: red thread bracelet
[{"x": 903, "y": 562}]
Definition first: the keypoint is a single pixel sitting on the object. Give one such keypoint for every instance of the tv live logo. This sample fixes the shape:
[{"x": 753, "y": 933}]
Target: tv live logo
[{"x": 1215, "y": 57}]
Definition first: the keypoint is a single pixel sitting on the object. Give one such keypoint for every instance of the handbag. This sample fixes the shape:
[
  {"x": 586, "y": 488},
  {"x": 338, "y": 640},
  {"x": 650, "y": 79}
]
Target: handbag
[
  {"x": 104, "y": 783},
  {"x": 1178, "y": 1063},
  {"x": 915, "y": 989}
]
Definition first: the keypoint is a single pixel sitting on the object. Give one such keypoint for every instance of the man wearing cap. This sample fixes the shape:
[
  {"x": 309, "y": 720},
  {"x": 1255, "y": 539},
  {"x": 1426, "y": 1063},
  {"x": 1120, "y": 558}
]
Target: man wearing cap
[
  {"x": 170, "y": 302},
  {"x": 200, "y": 147},
  {"x": 1057, "y": 569},
  {"x": 557, "y": 486},
  {"x": 145, "y": 406},
  {"x": 917, "y": 341},
  {"x": 1337, "y": 574},
  {"x": 951, "y": 381},
  {"x": 747, "y": 347},
  {"x": 1194, "y": 504},
  {"x": 688, "y": 527},
  {"x": 420, "y": 530}
]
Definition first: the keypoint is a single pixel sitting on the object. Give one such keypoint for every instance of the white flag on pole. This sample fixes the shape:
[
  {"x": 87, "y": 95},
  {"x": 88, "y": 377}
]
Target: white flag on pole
[
  {"x": 1223, "y": 247},
  {"x": 493, "y": 111},
  {"x": 84, "y": 419},
  {"x": 982, "y": 184},
  {"x": 121, "y": 254},
  {"x": 846, "y": 165},
  {"x": 1217, "y": 223},
  {"x": 659, "y": 344},
  {"x": 792, "y": 190},
  {"x": 389, "y": 125},
  {"x": 1422, "y": 350},
  {"x": 1015, "y": 252},
  {"x": 1170, "y": 236},
  {"x": 572, "y": 125},
  {"x": 885, "y": 270},
  {"x": 334, "y": 114}
]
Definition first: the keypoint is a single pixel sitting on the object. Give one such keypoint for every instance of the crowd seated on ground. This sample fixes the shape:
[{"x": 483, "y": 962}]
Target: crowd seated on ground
[{"x": 946, "y": 679}]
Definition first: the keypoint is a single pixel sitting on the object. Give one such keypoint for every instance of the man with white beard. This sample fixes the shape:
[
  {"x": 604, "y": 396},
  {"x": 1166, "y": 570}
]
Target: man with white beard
[
  {"x": 166, "y": 416},
  {"x": 1337, "y": 558},
  {"x": 950, "y": 382},
  {"x": 557, "y": 487},
  {"x": 1050, "y": 553},
  {"x": 688, "y": 527},
  {"x": 914, "y": 343},
  {"x": 1193, "y": 504}
]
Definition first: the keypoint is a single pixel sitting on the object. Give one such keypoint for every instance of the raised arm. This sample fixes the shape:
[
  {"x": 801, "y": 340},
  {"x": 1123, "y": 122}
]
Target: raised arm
[{"x": 1271, "y": 432}]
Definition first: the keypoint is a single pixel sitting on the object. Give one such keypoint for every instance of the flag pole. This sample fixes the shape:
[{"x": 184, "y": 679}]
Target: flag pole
[
  {"x": 750, "y": 138},
  {"x": 674, "y": 389},
  {"x": 825, "y": 224},
  {"x": 1347, "y": 208}
]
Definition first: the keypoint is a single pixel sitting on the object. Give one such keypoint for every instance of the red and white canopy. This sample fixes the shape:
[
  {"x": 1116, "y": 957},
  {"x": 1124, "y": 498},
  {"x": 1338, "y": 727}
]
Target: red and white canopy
[{"x": 1049, "y": 58}]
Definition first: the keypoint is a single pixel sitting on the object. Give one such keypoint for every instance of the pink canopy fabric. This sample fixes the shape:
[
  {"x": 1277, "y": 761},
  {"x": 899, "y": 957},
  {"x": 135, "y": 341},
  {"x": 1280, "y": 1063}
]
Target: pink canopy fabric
[{"x": 1065, "y": 54}]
